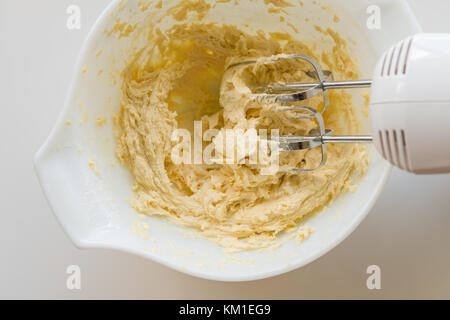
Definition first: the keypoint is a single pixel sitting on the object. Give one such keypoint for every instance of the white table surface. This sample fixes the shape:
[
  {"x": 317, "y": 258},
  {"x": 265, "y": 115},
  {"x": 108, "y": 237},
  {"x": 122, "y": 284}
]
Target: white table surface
[{"x": 406, "y": 234}]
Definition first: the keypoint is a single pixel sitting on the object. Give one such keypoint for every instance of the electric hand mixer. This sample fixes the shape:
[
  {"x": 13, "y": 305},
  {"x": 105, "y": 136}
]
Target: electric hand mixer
[{"x": 409, "y": 105}]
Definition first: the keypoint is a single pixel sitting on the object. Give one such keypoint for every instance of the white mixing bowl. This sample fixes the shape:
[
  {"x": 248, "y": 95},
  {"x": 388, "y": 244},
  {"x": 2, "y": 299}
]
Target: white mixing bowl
[{"x": 91, "y": 201}]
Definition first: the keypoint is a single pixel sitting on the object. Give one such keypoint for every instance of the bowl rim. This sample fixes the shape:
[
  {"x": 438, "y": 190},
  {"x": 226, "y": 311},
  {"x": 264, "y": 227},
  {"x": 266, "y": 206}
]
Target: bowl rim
[{"x": 82, "y": 243}]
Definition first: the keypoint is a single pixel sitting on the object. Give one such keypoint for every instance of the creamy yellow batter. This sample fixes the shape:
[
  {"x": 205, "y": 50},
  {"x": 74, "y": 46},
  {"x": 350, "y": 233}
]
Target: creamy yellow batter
[{"x": 180, "y": 77}]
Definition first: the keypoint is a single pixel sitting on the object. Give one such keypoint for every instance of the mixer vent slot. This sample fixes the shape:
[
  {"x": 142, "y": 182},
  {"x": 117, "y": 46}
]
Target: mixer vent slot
[
  {"x": 405, "y": 64},
  {"x": 397, "y": 65},
  {"x": 383, "y": 149},
  {"x": 394, "y": 148},
  {"x": 389, "y": 147},
  {"x": 405, "y": 150},
  {"x": 384, "y": 64},
  {"x": 395, "y": 61}
]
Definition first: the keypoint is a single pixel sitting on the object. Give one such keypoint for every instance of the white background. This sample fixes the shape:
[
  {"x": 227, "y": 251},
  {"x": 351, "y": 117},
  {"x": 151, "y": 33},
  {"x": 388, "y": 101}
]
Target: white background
[{"x": 406, "y": 234}]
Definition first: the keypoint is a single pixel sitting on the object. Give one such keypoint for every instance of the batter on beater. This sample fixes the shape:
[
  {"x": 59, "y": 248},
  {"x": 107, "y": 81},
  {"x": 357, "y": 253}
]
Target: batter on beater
[{"x": 180, "y": 77}]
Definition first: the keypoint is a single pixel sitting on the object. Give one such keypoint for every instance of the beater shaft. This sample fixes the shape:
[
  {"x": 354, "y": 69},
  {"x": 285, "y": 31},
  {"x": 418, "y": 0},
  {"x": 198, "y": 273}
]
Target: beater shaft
[
  {"x": 347, "y": 139},
  {"x": 293, "y": 143},
  {"x": 324, "y": 86}
]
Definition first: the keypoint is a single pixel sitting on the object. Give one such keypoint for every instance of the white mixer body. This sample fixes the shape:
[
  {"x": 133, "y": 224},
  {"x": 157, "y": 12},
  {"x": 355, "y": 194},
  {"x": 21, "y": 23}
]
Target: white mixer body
[{"x": 410, "y": 104}]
